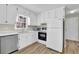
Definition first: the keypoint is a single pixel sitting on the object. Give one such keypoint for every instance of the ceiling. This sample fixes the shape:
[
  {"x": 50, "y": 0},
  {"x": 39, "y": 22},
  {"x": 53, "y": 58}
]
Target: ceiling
[{"x": 37, "y": 8}]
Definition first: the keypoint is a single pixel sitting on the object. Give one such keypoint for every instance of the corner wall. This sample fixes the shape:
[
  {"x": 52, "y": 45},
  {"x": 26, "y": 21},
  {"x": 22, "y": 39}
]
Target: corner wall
[{"x": 71, "y": 28}]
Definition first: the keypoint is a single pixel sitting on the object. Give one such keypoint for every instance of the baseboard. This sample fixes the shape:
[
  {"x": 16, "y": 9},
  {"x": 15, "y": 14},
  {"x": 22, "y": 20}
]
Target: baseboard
[
  {"x": 26, "y": 47},
  {"x": 74, "y": 40},
  {"x": 56, "y": 51}
]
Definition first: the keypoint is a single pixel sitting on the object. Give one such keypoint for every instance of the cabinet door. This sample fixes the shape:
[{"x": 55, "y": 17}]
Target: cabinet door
[
  {"x": 55, "y": 39},
  {"x": 45, "y": 16},
  {"x": 33, "y": 20},
  {"x": 51, "y": 14},
  {"x": 60, "y": 12},
  {"x": 1, "y": 13},
  {"x": 41, "y": 18},
  {"x": 34, "y": 36},
  {"x": 11, "y": 14},
  {"x": 20, "y": 10},
  {"x": 3, "y": 20},
  {"x": 55, "y": 22},
  {"x": 27, "y": 39},
  {"x": 8, "y": 13},
  {"x": 23, "y": 40}
]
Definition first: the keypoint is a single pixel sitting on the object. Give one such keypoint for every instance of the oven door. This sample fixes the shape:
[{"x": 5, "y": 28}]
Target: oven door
[{"x": 42, "y": 36}]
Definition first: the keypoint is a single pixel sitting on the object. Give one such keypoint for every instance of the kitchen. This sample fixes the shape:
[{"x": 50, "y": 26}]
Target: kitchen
[{"x": 37, "y": 25}]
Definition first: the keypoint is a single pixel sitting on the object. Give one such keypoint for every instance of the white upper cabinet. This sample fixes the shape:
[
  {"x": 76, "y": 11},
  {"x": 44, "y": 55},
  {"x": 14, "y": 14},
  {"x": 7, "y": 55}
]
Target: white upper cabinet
[
  {"x": 2, "y": 14},
  {"x": 33, "y": 20},
  {"x": 60, "y": 12},
  {"x": 20, "y": 11},
  {"x": 7, "y": 14},
  {"x": 42, "y": 18},
  {"x": 56, "y": 13},
  {"x": 51, "y": 14},
  {"x": 39, "y": 18},
  {"x": 11, "y": 14},
  {"x": 55, "y": 22}
]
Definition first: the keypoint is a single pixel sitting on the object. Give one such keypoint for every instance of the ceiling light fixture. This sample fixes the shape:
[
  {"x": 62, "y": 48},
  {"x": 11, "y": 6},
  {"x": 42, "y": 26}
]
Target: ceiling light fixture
[{"x": 73, "y": 11}]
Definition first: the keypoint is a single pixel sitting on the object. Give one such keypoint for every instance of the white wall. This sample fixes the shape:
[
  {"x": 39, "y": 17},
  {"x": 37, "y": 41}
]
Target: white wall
[{"x": 71, "y": 28}]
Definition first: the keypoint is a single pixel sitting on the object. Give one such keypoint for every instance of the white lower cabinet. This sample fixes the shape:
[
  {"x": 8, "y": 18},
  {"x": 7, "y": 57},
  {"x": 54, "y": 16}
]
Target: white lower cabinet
[{"x": 25, "y": 39}]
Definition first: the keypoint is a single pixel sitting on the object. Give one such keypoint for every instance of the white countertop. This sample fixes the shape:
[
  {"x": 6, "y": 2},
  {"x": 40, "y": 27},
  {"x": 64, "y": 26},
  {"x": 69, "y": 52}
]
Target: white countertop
[{"x": 7, "y": 33}]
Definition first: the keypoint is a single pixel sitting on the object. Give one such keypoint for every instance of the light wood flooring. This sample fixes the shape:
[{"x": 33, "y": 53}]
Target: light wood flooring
[
  {"x": 71, "y": 47},
  {"x": 36, "y": 48}
]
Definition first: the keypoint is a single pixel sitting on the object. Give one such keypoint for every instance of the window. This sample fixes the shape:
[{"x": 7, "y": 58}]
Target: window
[{"x": 22, "y": 22}]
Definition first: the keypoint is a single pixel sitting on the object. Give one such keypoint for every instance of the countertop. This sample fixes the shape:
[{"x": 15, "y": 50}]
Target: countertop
[{"x": 7, "y": 33}]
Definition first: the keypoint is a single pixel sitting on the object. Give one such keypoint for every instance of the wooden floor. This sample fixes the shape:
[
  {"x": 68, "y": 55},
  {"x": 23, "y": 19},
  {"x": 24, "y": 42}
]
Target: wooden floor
[
  {"x": 71, "y": 47},
  {"x": 36, "y": 48}
]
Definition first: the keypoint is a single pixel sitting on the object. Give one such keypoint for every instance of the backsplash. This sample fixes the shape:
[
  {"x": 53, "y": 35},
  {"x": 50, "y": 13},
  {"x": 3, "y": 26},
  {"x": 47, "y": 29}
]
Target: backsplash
[
  {"x": 11, "y": 27},
  {"x": 7, "y": 27}
]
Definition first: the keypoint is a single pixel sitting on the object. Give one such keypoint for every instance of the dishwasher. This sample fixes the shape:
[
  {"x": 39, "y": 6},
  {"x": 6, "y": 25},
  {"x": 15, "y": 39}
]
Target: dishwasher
[{"x": 8, "y": 44}]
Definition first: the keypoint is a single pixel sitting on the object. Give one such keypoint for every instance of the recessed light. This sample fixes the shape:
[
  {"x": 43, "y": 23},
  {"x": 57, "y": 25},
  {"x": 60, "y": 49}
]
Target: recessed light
[{"x": 73, "y": 11}]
